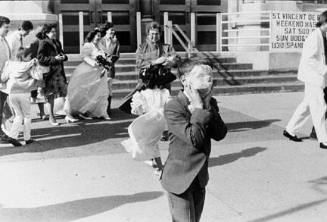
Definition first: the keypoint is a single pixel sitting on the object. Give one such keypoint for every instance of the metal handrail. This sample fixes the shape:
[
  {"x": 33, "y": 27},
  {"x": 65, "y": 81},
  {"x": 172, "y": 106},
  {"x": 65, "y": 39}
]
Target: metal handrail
[
  {"x": 190, "y": 45},
  {"x": 217, "y": 65},
  {"x": 189, "y": 49}
]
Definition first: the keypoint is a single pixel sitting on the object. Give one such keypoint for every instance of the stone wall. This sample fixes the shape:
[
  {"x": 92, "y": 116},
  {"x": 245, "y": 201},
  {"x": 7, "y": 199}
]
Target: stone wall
[{"x": 39, "y": 12}]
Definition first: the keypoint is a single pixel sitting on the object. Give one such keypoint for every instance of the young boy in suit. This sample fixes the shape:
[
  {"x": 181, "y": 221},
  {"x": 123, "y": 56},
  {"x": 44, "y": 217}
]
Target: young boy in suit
[{"x": 193, "y": 120}]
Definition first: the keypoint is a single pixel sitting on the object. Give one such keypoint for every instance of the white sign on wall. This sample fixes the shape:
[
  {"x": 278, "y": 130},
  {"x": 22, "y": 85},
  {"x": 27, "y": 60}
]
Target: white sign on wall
[{"x": 290, "y": 29}]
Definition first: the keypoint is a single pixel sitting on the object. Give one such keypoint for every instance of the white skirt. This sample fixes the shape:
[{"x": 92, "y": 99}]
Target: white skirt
[{"x": 146, "y": 130}]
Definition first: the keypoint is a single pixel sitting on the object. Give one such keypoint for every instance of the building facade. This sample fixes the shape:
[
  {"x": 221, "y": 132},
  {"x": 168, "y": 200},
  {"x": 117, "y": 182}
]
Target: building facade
[{"x": 123, "y": 15}]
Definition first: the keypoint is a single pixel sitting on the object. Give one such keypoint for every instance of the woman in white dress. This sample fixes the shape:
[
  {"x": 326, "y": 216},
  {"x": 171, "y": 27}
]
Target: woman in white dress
[{"x": 87, "y": 89}]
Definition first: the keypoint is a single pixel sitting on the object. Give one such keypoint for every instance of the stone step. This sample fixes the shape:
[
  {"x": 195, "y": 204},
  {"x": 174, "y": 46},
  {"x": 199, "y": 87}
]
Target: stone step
[
  {"x": 131, "y": 67},
  {"x": 131, "y": 84},
  {"x": 227, "y": 75},
  {"x": 132, "y": 61},
  {"x": 121, "y": 61},
  {"x": 294, "y": 86}
]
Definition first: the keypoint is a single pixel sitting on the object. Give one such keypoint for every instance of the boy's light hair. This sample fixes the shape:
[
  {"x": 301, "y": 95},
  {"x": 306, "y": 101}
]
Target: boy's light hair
[{"x": 186, "y": 66}]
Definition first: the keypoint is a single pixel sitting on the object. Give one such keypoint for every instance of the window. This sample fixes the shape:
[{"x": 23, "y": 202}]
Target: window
[
  {"x": 115, "y": 1},
  {"x": 74, "y": 1},
  {"x": 123, "y": 37},
  {"x": 206, "y": 19},
  {"x": 175, "y": 17},
  {"x": 209, "y": 2},
  {"x": 71, "y": 18},
  {"x": 172, "y": 2},
  {"x": 206, "y": 37},
  {"x": 118, "y": 18}
]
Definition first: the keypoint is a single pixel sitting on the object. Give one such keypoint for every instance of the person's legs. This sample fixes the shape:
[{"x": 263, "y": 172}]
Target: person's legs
[
  {"x": 17, "y": 124},
  {"x": 3, "y": 97},
  {"x": 41, "y": 109},
  {"x": 110, "y": 83},
  {"x": 69, "y": 118},
  {"x": 26, "y": 110},
  {"x": 50, "y": 105},
  {"x": 198, "y": 197},
  {"x": 318, "y": 109},
  {"x": 182, "y": 207},
  {"x": 300, "y": 115}
]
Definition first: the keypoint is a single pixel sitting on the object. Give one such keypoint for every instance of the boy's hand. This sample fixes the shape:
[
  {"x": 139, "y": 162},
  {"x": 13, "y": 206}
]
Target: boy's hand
[{"x": 195, "y": 98}]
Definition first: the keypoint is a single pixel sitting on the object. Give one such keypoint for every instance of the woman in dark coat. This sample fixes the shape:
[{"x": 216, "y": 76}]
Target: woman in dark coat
[{"x": 51, "y": 54}]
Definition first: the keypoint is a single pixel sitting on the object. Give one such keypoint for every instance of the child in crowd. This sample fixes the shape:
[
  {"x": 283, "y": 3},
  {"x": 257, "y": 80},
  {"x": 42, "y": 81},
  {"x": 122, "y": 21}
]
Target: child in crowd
[
  {"x": 146, "y": 130},
  {"x": 20, "y": 83}
]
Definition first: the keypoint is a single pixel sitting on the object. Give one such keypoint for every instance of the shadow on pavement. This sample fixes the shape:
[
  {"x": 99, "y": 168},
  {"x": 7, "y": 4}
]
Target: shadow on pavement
[
  {"x": 82, "y": 133},
  {"x": 229, "y": 158},
  {"x": 320, "y": 185},
  {"x": 289, "y": 211},
  {"x": 248, "y": 125},
  {"x": 75, "y": 209}
]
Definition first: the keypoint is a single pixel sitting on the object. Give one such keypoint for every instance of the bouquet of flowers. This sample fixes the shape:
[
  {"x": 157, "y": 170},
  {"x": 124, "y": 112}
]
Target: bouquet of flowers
[{"x": 103, "y": 62}]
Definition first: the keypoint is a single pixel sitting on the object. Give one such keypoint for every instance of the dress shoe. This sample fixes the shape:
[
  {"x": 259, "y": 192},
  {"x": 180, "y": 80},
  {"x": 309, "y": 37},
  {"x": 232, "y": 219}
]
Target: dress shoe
[
  {"x": 29, "y": 141},
  {"x": 293, "y": 138},
  {"x": 323, "y": 146},
  {"x": 14, "y": 141}
]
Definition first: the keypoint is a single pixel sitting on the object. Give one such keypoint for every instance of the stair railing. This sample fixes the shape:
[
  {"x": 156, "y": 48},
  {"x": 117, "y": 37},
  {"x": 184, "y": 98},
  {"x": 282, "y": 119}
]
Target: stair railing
[
  {"x": 174, "y": 29},
  {"x": 178, "y": 33}
]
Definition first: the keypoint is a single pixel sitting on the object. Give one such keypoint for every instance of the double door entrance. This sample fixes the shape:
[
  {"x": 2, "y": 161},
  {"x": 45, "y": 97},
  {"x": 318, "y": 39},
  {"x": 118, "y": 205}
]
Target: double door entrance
[
  {"x": 95, "y": 13},
  {"x": 123, "y": 14}
]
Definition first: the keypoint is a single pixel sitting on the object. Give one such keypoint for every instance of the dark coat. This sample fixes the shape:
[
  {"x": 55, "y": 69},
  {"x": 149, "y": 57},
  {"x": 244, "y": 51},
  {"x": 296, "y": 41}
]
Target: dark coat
[
  {"x": 190, "y": 143},
  {"x": 55, "y": 80},
  {"x": 47, "y": 51}
]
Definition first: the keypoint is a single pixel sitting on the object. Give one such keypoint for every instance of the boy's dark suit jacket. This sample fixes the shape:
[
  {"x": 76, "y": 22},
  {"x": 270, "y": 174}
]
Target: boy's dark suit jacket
[{"x": 190, "y": 144}]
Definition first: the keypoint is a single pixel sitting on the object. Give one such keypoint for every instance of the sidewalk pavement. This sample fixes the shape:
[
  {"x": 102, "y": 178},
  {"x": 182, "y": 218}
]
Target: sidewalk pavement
[{"x": 80, "y": 172}]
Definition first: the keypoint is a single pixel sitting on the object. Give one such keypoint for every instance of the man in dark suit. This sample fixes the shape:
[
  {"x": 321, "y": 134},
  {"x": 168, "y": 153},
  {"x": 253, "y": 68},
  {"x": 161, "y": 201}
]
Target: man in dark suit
[{"x": 193, "y": 120}]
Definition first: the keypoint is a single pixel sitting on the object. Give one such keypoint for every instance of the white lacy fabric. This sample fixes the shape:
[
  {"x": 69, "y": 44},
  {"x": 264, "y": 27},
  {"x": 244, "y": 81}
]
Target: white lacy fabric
[
  {"x": 149, "y": 99},
  {"x": 146, "y": 130}
]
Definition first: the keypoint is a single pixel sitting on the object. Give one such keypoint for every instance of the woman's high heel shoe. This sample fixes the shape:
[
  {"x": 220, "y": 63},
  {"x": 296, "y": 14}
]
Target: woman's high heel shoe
[
  {"x": 107, "y": 117},
  {"x": 53, "y": 122},
  {"x": 69, "y": 119}
]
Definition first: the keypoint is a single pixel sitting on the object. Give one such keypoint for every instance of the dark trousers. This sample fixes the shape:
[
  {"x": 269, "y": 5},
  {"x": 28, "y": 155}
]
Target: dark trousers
[
  {"x": 188, "y": 206},
  {"x": 3, "y": 98}
]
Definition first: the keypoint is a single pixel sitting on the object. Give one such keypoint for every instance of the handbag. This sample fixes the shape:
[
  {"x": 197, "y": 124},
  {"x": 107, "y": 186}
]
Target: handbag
[{"x": 38, "y": 71}]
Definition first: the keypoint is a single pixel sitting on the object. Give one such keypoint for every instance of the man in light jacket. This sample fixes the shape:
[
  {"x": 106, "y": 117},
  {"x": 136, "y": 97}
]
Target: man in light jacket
[
  {"x": 15, "y": 39},
  {"x": 312, "y": 71}
]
